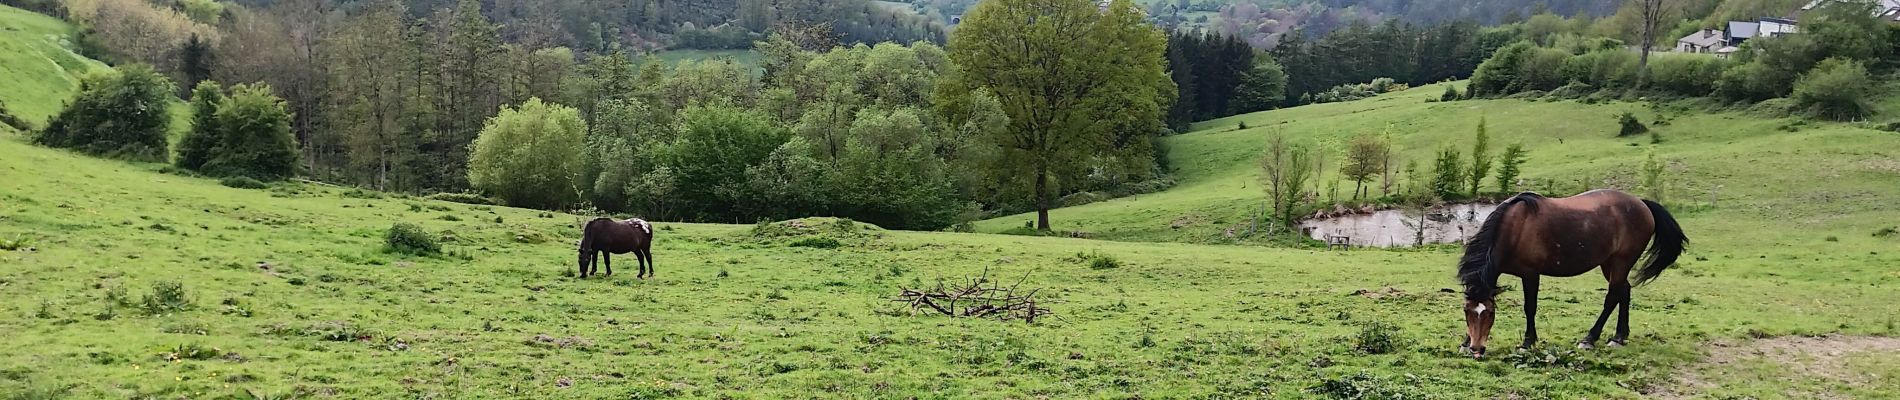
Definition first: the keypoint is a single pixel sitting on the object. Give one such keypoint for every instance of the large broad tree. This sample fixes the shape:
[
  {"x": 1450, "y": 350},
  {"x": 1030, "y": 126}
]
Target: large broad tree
[{"x": 1068, "y": 73}]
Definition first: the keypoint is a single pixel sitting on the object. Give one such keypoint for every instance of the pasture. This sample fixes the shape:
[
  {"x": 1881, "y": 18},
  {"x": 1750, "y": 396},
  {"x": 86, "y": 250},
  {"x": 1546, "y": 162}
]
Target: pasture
[{"x": 288, "y": 291}]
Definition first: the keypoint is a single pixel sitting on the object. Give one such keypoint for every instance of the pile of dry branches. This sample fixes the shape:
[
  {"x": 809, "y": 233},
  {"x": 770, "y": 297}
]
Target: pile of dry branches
[{"x": 977, "y": 297}]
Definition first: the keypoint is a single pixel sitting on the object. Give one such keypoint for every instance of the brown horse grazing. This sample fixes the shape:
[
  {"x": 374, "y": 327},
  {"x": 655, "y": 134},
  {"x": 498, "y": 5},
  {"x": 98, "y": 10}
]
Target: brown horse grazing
[
  {"x": 1532, "y": 236},
  {"x": 616, "y": 237}
]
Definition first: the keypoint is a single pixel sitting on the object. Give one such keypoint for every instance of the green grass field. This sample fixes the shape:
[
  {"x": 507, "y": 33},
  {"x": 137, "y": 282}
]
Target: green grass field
[
  {"x": 37, "y": 53},
  {"x": 743, "y": 57},
  {"x": 287, "y": 292},
  {"x": 731, "y": 316}
]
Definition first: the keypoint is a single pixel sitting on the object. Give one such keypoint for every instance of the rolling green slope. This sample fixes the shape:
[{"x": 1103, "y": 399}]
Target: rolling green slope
[
  {"x": 289, "y": 293},
  {"x": 1769, "y": 177},
  {"x": 38, "y": 68}
]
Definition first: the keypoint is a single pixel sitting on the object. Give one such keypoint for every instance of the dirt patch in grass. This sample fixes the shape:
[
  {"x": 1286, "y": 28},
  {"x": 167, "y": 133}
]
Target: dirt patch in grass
[{"x": 1823, "y": 358}]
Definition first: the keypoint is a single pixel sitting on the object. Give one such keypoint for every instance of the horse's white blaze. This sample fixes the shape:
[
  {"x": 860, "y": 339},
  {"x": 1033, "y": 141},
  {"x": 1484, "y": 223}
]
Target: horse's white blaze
[{"x": 1479, "y": 309}]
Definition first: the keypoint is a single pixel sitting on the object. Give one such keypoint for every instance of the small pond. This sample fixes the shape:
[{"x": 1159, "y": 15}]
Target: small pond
[{"x": 1402, "y": 228}]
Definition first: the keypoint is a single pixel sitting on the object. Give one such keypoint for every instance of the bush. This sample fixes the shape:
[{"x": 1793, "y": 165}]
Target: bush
[
  {"x": 1098, "y": 261},
  {"x": 1377, "y": 337},
  {"x": 1451, "y": 93},
  {"x": 1542, "y": 69},
  {"x": 529, "y": 156},
  {"x": 1688, "y": 75},
  {"x": 1497, "y": 75},
  {"x": 464, "y": 198},
  {"x": 249, "y": 136},
  {"x": 122, "y": 115},
  {"x": 242, "y": 182},
  {"x": 818, "y": 242},
  {"x": 1836, "y": 89},
  {"x": 1747, "y": 82},
  {"x": 201, "y": 142},
  {"x": 411, "y": 239},
  {"x": 1629, "y": 125},
  {"x": 166, "y": 297},
  {"x": 1572, "y": 91}
]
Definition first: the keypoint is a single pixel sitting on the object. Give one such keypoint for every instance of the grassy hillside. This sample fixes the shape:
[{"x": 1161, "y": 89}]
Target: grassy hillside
[
  {"x": 41, "y": 70},
  {"x": 1777, "y": 181},
  {"x": 289, "y": 292}
]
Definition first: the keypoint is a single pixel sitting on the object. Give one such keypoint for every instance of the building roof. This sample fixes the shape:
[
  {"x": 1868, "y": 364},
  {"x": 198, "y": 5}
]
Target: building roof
[
  {"x": 1742, "y": 29},
  {"x": 1704, "y": 38}
]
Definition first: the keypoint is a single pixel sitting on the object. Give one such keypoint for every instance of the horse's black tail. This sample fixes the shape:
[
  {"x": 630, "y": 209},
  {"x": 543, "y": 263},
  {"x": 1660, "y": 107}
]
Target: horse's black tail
[{"x": 1666, "y": 246}]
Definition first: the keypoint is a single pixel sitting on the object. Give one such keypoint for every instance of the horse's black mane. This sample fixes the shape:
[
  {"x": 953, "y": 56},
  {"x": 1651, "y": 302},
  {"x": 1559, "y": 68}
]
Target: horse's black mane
[{"x": 1478, "y": 269}]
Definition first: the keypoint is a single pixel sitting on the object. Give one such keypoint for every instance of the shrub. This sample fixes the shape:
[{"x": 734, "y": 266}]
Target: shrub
[
  {"x": 248, "y": 134},
  {"x": 202, "y": 140},
  {"x": 1542, "y": 69},
  {"x": 122, "y": 115},
  {"x": 1688, "y": 75},
  {"x": 1377, "y": 337},
  {"x": 1361, "y": 385},
  {"x": 1098, "y": 260},
  {"x": 464, "y": 198},
  {"x": 817, "y": 242},
  {"x": 1836, "y": 89},
  {"x": 1747, "y": 82},
  {"x": 1629, "y": 125},
  {"x": 242, "y": 182},
  {"x": 1497, "y": 75},
  {"x": 1451, "y": 93},
  {"x": 1572, "y": 91},
  {"x": 166, "y": 297},
  {"x": 529, "y": 156},
  {"x": 1887, "y": 232},
  {"x": 411, "y": 239}
]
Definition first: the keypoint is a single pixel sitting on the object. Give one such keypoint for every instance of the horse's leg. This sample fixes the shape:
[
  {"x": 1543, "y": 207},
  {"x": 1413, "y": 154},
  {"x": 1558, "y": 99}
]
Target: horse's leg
[
  {"x": 1622, "y": 320},
  {"x": 1530, "y": 311},
  {"x": 593, "y": 262},
  {"x": 608, "y": 256},
  {"x": 1609, "y": 304},
  {"x": 582, "y": 260},
  {"x": 646, "y": 267}
]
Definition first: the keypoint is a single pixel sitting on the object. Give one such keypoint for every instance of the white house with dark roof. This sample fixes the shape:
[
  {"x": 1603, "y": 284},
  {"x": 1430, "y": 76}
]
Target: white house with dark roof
[
  {"x": 1702, "y": 41},
  {"x": 1742, "y": 31}
]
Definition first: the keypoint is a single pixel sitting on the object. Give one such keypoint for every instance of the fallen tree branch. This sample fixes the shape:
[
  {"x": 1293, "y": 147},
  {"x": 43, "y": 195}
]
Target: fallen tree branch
[{"x": 977, "y": 297}]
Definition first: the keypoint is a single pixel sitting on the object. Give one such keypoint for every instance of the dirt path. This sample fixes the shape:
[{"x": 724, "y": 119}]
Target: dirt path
[{"x": 1821, "y": 358}]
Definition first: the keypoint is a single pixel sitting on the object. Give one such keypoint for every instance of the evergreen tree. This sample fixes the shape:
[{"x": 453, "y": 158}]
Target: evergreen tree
[
  {"x": 200, "y": 143},
  {"x": 1508, "y": 164},
  {"x": 1480, "y": 159},
  {"x": 195, "y": 59}
]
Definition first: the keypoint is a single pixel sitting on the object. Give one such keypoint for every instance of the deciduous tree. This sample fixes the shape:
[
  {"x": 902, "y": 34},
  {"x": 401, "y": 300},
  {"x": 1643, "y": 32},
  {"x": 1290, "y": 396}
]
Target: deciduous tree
[{"x": 1066, "y": 72}]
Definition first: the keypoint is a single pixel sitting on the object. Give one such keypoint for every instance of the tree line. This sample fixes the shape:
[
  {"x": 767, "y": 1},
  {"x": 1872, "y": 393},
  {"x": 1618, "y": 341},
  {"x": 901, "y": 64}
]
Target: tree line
[
  {"x": 1826, "y": 69},
  {"x": 911, "y": 136},
  {"x": 1218, "y": 75}
]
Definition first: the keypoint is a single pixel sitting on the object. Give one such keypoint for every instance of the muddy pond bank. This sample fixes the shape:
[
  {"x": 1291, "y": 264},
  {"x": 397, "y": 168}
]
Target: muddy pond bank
[{"x": 1401, "y": 228}]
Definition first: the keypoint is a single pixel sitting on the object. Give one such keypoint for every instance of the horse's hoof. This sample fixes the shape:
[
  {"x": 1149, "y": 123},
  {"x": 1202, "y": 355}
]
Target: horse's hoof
[
  {"x": 1616, "y": 343},
  {"x": 1585, "y": 346}
]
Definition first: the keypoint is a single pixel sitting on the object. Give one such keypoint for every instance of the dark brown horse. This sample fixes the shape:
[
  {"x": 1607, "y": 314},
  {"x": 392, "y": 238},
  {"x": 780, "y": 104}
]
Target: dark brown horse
[
  {"x": 1531, "y": 236},
  {"x": 605, "y": 235}
]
